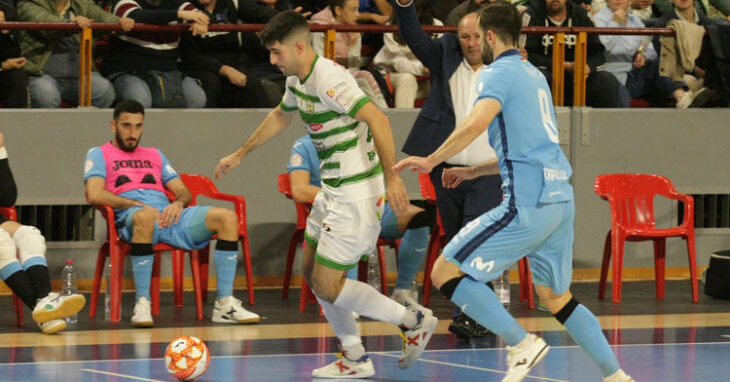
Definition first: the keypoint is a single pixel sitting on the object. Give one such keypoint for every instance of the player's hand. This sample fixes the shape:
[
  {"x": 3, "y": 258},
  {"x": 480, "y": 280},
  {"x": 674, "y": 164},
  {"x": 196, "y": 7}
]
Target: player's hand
[
  {"x": 419, "y": 164},
  {"x": 452, "y": 177},
  {"x": 171, "y": 214},
  {"x": 126, "y": 23},
  {"x": 226, "y": 164},
  {"x": 397, "y": 195},
  {"x": 83, "y": 22}
]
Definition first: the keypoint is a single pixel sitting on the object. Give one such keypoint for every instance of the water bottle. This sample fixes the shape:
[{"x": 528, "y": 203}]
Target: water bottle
[
  {"x": 68, "y": 276},
  {"x": 107, "y": 295},
  {"x": 374, "y": 272},
  {"x": 413, "y": 290},
  {"x": 501, "y": 288}
]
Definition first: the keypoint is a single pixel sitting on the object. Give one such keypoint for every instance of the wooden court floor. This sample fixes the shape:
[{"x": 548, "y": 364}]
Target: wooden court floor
[{"x": 655, "y": 340}]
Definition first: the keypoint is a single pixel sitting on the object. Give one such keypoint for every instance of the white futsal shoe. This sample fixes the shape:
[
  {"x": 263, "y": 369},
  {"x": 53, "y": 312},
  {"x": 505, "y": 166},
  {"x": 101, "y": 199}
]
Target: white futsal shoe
[
  {"x": 52, "y": 326},
  {"x": 416, "y": 338},
  {"x": 618, "y": 376},
  {"x": 228, "y": 310},
  {"x": 56, "y": 306},
  {"x": 345, "y": 368},
  {"x": 403, "y": 297},
  {"x": 142, "y": 316},
  {"x": 523, "y": 357}
]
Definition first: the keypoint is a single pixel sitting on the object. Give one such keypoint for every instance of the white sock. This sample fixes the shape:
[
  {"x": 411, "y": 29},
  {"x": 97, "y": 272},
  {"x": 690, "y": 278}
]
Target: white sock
[
  {"x": 364, "y": 299},
  {"x": 342, "y": 323}
]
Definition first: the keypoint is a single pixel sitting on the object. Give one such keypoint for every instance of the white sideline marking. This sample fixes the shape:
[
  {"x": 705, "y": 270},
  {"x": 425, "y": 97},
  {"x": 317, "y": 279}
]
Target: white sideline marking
[{"x": 121, "y": 375}]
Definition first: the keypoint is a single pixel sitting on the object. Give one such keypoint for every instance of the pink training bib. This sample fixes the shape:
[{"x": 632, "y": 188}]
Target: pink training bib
[{"x": 126, "y": 171}]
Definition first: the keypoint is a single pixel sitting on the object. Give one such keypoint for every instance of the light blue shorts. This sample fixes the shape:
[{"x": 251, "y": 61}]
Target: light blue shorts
[
  {"x": 491, "y": 243},
  {"x": 189, "y": 233}
]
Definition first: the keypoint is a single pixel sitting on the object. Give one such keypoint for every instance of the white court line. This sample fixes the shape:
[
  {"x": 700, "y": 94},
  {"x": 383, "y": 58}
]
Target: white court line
[
  {"x": 474, "y": 368},
  {"x": 330, "y": 353},
  {"x": 121, "y": 375}
]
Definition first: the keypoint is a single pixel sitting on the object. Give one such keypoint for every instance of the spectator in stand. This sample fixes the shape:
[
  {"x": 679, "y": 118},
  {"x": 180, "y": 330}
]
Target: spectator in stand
[
  {"x": 132, "y": 57},
  {"x": 634, "y": 62},
  {"x": 53, "y": 56},
  {"x": 347, "y": 46},
  {"x": 641, "y": 9},
  {"x": 13, "y": 80},
  {"x": 217, "y": 59},
  {"x": 602, "y": 88},
  {"x": 711, "y": 8},
  {"x": 395, "y": 59}
]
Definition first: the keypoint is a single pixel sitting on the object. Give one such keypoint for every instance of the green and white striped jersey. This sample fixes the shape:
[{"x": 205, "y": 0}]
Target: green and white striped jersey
[{"x": 327, "y": 100}]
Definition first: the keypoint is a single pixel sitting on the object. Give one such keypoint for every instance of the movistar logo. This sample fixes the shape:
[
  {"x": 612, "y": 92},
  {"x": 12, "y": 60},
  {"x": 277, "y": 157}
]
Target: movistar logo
[{"x": 479, "y": 264}]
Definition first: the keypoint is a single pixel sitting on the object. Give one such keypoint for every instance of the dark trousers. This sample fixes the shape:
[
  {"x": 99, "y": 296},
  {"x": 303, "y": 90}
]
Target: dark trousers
[
  {"x": 645, "y": 82},
  {"x": 14, "y": 85},
  {"x": 220, "y": 92},
  {"x": 602, "y": 89},
  {"x": 466, "y": 202}
]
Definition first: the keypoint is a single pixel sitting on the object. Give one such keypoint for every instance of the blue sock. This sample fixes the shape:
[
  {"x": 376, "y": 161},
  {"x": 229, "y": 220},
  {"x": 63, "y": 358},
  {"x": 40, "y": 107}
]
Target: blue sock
[
  {"x": 586, "y": 331},
  {"x": 226, "y": 258},
  {"x": 142, "y": 261},
  {"x": 479, "y": 302},
  {"x": 410, "y": 255}
]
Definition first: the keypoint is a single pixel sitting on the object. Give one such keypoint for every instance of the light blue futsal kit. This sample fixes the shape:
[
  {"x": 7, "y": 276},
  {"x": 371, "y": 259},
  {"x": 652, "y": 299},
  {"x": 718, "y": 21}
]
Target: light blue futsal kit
[{"x": 535, "y": 219}]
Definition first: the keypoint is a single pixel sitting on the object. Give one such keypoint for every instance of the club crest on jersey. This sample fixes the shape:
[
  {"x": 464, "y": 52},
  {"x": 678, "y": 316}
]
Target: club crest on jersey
[
  {"x": 309, "y": 106},
  {"x": 331, "y": 93},
  {"x": 316, "y": 126}
]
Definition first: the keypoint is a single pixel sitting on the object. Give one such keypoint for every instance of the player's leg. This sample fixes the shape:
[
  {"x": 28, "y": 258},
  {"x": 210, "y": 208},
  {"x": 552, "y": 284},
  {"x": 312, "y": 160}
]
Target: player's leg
[
  {"x": 413, "y": 227},
  {"x": 201, "y": 223},
  {"x": 551, "y": 266},
  {"x": 139, "y": 230},
  {"x": 351, "y": 229},
  {"x": 11, "y": 271}
]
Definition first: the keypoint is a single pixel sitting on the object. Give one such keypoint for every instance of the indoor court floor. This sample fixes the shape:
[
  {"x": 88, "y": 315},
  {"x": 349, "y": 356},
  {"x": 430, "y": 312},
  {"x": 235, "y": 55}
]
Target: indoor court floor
[{"x": 655, "y": 340}]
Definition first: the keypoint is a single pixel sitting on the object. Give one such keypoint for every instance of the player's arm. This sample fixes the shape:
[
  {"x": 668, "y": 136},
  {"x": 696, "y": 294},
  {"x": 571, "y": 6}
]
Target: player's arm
[
  {"x": 171, "y": 213},
  {"x": 301, "y": 190},
  {"x": 383, "y": 139},
  {"x": 272, "y": 125},
  {"x": 468, "y": 130},
  {"x": 97, "y": 194},
  {"x": 452, "y": 177}
]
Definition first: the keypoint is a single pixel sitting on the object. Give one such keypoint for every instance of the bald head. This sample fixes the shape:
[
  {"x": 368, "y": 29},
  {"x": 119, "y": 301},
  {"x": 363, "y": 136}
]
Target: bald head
[{"x": 469, "y": 39}]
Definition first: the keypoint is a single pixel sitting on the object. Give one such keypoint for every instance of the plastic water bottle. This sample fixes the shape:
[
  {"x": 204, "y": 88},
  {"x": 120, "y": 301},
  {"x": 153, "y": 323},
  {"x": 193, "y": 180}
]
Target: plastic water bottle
[
  {"x": 413, "y": 290},
  {"x": 501, "y": 288},
  {"x": 107, "y": 295},
  {"x": 374, "y": 272},
  {"x": 68, "y": 275}
]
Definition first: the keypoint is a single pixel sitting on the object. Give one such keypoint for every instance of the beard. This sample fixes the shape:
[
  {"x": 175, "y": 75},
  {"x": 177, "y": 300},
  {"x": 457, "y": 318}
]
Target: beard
[
  {"x": 487, "y": 54},
  {"x": 554, "y": 7},
  {"x": 127, "y": 146}
]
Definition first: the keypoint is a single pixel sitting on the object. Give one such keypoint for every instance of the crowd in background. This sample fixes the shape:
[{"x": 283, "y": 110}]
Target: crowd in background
[{"x": 227, "y": 69}]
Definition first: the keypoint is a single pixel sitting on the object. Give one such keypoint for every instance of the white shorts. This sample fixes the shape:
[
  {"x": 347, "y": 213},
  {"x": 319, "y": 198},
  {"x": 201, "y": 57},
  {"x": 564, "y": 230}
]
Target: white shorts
[{"x": 343, "y": 232}]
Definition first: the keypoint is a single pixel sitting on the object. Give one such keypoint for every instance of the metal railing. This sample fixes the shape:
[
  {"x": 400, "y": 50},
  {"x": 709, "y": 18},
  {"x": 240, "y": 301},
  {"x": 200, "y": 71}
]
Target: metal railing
[{"x": 330, "y": 31}]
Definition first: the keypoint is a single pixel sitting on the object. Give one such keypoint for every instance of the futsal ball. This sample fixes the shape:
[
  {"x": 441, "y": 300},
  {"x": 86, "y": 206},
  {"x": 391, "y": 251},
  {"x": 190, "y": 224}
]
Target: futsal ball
[{"x": 187, "y": 358}]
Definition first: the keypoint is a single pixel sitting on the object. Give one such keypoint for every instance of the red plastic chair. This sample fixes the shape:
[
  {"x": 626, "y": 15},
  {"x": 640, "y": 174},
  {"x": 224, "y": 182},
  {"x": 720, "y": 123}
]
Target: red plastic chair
[
  {"x": 306, "y": 295},
  {"x": 438, "y": 240},
  {"x": 631, "y": 200},
  {"x": 202, "y": 185},
  {"x": 11, "y": 214}
]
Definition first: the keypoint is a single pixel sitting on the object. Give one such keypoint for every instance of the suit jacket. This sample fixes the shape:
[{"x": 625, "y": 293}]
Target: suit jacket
[{"x": 442, "y": 57}]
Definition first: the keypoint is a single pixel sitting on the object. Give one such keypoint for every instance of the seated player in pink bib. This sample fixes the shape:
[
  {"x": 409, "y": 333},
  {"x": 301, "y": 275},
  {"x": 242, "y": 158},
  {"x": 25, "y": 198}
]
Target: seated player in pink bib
[{"x": 133, "y": 180}]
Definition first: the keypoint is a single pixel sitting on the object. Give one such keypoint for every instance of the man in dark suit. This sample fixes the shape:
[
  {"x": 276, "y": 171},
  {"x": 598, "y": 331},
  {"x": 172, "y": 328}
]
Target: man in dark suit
[{"x": 454, "y": 62}]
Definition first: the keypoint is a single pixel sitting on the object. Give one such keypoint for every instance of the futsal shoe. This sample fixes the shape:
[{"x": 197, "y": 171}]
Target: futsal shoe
[
  {"x": 523, "y": 357},
  {"x": 142, "y": 316},
  {"x": 618, "y": 376},
  {"x": 52, "y": 326},
  {"x": 402, "y": 296},
  {"x": 345, "y": 368},
  {"x": 416, "y": 338},
  {"x": 228, "y": 310},
  {"x": 56, "y": 306}
]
